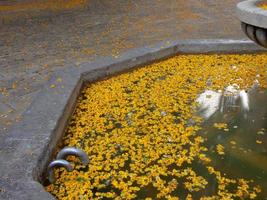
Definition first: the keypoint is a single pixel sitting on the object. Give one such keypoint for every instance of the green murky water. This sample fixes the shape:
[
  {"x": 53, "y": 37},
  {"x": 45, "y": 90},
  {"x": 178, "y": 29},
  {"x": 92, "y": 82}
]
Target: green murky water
[{"x": 245, "y": 143}]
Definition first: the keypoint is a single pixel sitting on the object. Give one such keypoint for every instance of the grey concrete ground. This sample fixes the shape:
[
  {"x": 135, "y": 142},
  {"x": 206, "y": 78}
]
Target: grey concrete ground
[
  {"x": 35, "y": 43},
  {"x": 47, "y": 54}
]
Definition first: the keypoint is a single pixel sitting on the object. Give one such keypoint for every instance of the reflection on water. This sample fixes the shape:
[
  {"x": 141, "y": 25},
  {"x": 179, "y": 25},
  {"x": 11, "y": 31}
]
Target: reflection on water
[
  {"x": 231, "y": 98},
  {"x": 245, "y": 141}
]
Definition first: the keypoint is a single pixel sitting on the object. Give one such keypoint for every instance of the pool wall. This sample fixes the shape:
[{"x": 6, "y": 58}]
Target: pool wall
[{"x": 28, "y": 148}]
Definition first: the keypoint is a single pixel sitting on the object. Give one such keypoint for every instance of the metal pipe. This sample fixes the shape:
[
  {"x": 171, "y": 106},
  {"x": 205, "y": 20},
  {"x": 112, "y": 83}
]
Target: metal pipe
[
  {"x": 57, "y": 163},
  {"x": 66, "y": 151}
]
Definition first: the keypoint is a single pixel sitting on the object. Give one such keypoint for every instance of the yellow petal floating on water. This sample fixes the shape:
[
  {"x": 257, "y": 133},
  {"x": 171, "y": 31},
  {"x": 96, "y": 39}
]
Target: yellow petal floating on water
[
  {"x": 221, "y": 126},
  {"x": 233, "y": 142},
  {"x": 258, "y": 141},
  {"x": 261, "y": 132},
  {"x": 220, "y": 149}
]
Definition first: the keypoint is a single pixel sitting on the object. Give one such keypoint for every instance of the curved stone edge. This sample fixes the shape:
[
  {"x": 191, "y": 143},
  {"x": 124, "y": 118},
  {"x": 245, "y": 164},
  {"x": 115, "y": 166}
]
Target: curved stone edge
[
  {"x": 29, "y": 146},
  {"x": 250, "y": 13}
]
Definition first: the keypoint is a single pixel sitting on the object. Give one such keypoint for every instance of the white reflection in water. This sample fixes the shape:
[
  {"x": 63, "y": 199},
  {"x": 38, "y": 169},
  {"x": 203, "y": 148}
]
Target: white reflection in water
[
  {"x": 211, "y": 101},
  {"x": 244, "y": 100}
]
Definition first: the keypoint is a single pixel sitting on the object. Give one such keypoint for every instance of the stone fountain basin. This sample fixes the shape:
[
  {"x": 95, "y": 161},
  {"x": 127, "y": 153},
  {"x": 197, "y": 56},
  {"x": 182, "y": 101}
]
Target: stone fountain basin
[
  {"x": 28, "y": 148},
  {"x": 249, "y": 13},
  {"x": 253, "y": 21}
]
